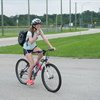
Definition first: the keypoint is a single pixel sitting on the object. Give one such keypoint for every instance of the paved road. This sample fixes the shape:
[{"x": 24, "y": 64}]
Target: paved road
[
  {"x": 80, "y": 80},
  {"x": 12, "y": 41}
]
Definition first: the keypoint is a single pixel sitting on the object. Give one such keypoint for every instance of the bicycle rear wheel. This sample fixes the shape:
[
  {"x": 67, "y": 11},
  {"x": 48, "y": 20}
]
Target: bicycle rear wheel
[
  {"x": 51, "y": 78},
  {"x": 22, "y": 70}
]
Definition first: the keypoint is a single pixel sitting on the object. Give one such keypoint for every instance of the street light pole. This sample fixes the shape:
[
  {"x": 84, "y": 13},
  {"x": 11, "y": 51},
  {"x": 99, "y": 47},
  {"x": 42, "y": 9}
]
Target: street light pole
[
  {"x": 61, "y": 15},
  {"x": 28, "y": 13},
  {"x": 2, "y": 17},
  {"x": 75, "y": 16},
  {"x": 82, "y": 11},
  {"x": 82, "y": 14}
]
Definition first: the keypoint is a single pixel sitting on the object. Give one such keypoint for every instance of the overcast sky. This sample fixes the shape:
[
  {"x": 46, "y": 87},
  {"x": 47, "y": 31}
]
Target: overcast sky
[{"x": 38, "y": 7}]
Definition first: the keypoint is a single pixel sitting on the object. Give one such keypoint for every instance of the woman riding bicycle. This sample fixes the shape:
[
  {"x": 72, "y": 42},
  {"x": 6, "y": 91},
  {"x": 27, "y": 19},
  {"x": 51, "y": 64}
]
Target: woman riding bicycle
[{"x": 30, "y": 46}]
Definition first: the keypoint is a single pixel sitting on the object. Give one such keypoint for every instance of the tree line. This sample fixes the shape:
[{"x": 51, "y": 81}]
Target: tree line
[{"x": 89, "y": 17}]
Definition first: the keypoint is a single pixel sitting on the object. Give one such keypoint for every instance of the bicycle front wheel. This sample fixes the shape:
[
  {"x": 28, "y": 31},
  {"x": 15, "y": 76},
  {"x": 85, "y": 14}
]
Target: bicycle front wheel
[
  {"x": 51, "y": 78},
  {"x": 22, "y": 70}
]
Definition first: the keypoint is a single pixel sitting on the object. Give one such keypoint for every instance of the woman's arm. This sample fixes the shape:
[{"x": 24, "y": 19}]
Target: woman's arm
[
  {"x": 46, "y": 40},
  {"x": 32, "y": 40}
]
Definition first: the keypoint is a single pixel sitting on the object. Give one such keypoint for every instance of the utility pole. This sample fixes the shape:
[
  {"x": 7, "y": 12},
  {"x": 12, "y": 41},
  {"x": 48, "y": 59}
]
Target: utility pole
[
  {"x": 28, "y": 13},
  {"x": 92, "y": 18},
  {"x": 70, "y": 14},
  {"x": 2, "y": 17},
  {"x": 75, "y": 16},
  {"x": 61, "y": 15},
  {"x": 17, "y": 23},
  {"x": 47, "y": 15},
  {"x": 56, "y": 22}
]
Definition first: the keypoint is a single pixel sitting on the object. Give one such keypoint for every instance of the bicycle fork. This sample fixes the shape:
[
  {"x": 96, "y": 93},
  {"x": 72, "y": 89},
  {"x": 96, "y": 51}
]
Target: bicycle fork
[{"x": 49, "y": 73}]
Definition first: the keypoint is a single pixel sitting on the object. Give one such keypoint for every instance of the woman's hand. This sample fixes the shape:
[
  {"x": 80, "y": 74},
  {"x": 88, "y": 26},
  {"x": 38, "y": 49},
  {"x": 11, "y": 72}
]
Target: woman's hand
[
  {"x": 53, "y": 48},
  {"x": 37, "y": 32}
]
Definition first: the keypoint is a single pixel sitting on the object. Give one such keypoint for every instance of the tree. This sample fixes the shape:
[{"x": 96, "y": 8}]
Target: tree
[{"x": 23, "y": 19}]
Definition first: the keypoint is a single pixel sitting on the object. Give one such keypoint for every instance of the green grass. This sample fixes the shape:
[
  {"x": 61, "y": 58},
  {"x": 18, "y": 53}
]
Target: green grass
[
  {"x": 7, "y": 36},
  {"x": 67, "y": 31},
  {"x": 84, "y": 46}
]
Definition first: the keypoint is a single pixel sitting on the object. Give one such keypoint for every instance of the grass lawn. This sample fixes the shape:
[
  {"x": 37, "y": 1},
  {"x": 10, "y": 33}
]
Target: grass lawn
[
  {"x": 9, "y": 33},
  {"x": 84, "y": 46}
]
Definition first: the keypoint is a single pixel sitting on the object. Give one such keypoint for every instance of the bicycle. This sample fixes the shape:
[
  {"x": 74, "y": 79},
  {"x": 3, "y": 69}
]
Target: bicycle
[{"x": 50, "y": 74}]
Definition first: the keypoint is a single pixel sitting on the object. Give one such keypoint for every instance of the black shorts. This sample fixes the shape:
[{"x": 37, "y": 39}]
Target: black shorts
[{"x": 28, "y": 51}]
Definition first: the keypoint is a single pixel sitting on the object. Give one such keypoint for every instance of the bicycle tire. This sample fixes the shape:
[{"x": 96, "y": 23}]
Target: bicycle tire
[
  {"x": 18, "y": 72},
  {"x": 50, "y": 66}
]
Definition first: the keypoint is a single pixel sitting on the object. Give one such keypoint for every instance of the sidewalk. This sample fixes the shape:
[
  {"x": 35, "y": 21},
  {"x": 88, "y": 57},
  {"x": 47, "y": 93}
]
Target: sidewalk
[{"x": 14, "y": 40}]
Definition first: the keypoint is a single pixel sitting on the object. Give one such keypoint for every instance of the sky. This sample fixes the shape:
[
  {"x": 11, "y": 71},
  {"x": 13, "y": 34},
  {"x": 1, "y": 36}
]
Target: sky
[{"x": 38, "y": 7}]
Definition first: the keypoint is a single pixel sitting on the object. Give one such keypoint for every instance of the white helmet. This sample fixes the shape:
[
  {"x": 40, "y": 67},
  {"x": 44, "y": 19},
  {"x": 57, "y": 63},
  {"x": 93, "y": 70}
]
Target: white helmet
[{"x": 36, "y": 21}]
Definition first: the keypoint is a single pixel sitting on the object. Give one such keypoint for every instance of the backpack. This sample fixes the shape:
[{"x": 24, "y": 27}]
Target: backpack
[{"x": 22, "y": 37}]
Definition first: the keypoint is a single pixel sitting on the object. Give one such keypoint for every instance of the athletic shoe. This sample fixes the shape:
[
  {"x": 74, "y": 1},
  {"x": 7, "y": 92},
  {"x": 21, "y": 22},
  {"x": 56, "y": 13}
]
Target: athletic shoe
[
  {"x": 29, "y": 82},
  {"x": 39, "y": 65}
]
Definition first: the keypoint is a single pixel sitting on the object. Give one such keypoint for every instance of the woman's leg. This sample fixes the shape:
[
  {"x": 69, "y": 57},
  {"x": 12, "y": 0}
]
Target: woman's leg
[
  {"x": 31, "y": 62},
  {"x": 40, "y": 55}
]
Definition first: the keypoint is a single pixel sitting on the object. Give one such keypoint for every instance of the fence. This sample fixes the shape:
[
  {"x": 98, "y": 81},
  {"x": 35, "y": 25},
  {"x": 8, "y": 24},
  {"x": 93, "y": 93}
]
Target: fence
[{"x": 14, "y": 30}]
